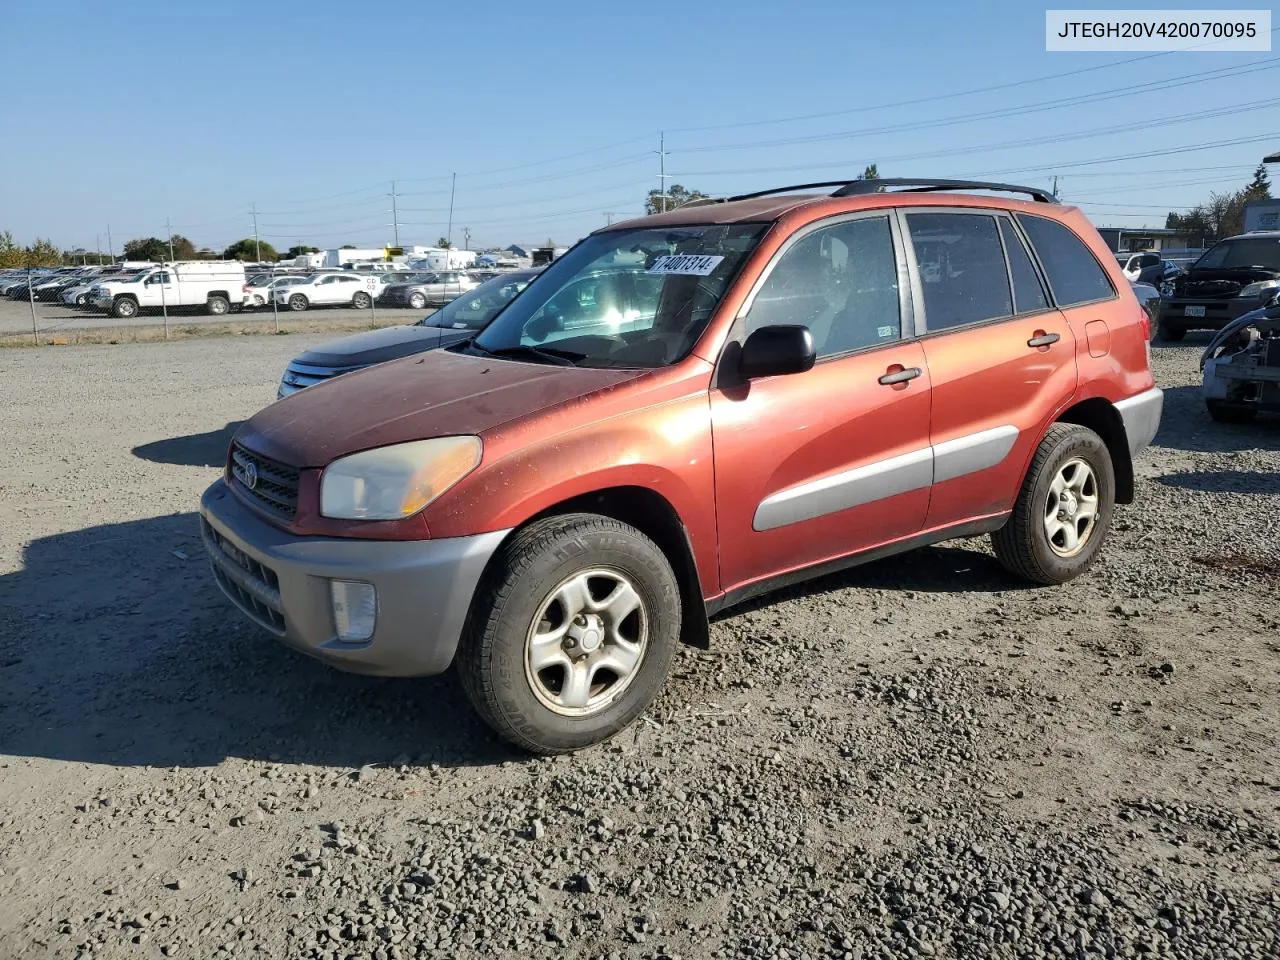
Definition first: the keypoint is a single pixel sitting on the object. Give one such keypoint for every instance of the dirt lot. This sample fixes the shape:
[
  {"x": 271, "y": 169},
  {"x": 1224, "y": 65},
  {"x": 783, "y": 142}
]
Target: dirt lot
[
  {"x": 920, "y": 757},
  {"x": 58, "y": 323}
]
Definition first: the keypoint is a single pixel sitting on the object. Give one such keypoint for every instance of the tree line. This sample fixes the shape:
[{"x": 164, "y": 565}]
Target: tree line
[
  {"x": 45, "y": 253},
  {"x": 1222, "y": 215}
]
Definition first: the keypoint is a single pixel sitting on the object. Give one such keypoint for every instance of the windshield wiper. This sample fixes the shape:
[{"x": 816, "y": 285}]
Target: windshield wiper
[{"x": 564, "y": 358}]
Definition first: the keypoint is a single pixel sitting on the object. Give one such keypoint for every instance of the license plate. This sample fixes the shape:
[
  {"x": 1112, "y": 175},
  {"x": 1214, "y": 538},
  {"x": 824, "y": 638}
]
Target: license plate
[{"x": 1195, "y": 311}]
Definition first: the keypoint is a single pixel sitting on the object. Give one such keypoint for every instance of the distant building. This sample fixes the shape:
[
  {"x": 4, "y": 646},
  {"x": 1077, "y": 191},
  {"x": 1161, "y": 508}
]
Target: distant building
[{"x": 1132, "y": 239}]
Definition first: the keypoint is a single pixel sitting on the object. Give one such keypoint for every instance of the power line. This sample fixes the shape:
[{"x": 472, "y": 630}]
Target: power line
[
  {"x": 1190, "y": 79},
  {"x": 937, "y": 98}
]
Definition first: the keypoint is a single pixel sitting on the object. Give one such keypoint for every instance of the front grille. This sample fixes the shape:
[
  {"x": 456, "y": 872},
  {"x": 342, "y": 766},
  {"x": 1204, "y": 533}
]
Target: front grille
[
  {"x": 252, "y": 586},
  {"x": 272, "y": 485},
  {"x": 1209, "y": 289}
]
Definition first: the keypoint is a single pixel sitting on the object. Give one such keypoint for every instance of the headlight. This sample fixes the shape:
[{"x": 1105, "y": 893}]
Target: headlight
[
  {"x": 1259, "y": 288},
  {"x": 390, "y": 483},
  {"x": 1166, "y": 289}
]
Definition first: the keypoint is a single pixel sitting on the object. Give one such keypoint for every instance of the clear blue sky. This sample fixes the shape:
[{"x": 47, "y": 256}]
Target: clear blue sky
[{"x": 550, "y": 113}]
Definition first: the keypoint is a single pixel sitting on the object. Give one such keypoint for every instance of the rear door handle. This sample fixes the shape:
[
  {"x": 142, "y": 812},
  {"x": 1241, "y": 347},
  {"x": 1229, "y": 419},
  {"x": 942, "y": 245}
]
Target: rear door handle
[
  {"x": 902, "y": 375},
  {"x": 1044, "y": 340}
]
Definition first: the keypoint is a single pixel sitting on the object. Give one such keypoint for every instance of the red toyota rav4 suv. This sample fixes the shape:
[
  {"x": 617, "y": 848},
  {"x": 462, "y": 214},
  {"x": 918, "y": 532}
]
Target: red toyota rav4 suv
[{"x": 684, "y": 411}]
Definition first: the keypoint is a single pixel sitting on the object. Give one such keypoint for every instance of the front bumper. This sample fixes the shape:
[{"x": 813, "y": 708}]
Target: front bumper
[
  {"x": 281, "y": 582},
  {"x": 1217, "y": 313}
]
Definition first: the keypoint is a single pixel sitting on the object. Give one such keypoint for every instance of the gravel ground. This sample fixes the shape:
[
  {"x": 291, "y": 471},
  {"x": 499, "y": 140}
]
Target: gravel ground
[
  {"x": 53, "y": 319},
  {"x": 918, "y": 758}
]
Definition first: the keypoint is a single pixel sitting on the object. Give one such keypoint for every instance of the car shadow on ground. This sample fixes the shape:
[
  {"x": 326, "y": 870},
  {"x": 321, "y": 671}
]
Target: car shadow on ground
[
  {"x": 116, "y": 647},
  {"x": 1185, "y": 424},
  {"x": 947, "y": 568},
  {"x": 194, "y": 450},
  {"x": 1224, "y": 481}
]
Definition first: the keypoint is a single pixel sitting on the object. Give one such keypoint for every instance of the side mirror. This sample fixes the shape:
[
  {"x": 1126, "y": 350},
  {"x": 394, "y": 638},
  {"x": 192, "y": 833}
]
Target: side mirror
[{"x": 777, "y": 350}]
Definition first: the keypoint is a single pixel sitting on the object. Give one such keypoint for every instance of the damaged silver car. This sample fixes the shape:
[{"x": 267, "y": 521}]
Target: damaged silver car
[{"x": 1241, "y": 366}]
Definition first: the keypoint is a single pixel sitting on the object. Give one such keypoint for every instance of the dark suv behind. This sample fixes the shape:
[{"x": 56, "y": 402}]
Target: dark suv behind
[{"x": 1232, "y": 278}]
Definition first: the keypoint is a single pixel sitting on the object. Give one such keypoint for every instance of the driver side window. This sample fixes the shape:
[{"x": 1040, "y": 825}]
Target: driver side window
[{"x": 839, "y": 281}]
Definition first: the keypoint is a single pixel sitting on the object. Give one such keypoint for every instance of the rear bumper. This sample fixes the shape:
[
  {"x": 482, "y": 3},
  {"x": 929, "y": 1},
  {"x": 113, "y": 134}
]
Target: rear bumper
[
  {"x": 282, "y": 583},
  {"x": 1217, "y": 313},
  {"x": 1141, "y": 417}
]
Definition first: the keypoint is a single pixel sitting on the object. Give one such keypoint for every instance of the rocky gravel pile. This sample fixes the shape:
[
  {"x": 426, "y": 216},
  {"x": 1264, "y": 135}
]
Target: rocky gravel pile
[{"x": 918, "y": 758}]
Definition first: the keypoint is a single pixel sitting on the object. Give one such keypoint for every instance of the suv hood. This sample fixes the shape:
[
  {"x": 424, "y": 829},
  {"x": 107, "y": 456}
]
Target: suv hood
[
  {"x": 378, "y": 346},
  {"x": 437, "y": 394},
  {"x": 1224, "y": 277}
]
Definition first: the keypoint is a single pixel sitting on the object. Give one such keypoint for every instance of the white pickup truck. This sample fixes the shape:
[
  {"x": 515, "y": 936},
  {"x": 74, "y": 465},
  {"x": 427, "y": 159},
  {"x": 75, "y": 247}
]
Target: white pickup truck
[{"x": 214, "y": 285}]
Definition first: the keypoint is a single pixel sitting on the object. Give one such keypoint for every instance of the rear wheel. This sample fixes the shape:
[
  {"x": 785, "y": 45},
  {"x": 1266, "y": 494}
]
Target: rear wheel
[
  {"x": 217, "y": 305},
  {"x": 124, "y": 308},
  {"x": 1170, "y": 332},
  {"x": 1223, "y": 413},
  {"x": 361, "y": 301},
  {"x": 1063, "y": 510},
  {"x": 571, "y": 634},
  {"x": 417, "y": 300},
  {"x": 297, "y": 303}
]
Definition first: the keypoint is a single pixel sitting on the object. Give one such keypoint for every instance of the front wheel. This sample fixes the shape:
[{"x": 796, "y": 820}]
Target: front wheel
[
  {"x": 361, "y": 301},
  {"x": 571, "y": 634},
  {"x": 417, "y": 301},
  {"x": 297, "y": 303},
  {"x": 1063, "y": 510},
  {"x": 124, "y": 308}
]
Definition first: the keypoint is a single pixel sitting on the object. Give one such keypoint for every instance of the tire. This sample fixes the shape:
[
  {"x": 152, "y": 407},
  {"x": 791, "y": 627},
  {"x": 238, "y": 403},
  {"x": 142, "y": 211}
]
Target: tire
[
  {"x": 297, "y": 303},
  {"x": 124, "y": 308},
  {"x": 520, "y": 598},
  {"x": 1024, "y": 545},
  {"x": 217, "y": 306},
  {"x": 417, "y": 301},
  {"x": 1224, "y": 413},
  {"x": 1171, "y": 333},
  {"x": 361, "y": 301},
  {"x": 82, "y": 300}
]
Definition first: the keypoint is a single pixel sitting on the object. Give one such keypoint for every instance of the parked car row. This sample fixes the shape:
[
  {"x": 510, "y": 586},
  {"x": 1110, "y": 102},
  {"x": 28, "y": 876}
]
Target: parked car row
[{"x": 356, "y": 288}]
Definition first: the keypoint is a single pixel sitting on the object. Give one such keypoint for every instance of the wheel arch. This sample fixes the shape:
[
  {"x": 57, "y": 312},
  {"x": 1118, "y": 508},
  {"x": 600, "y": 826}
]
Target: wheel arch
[
  {"x": 1101, "y": 416},
  {"x": 653, "y": 515}
]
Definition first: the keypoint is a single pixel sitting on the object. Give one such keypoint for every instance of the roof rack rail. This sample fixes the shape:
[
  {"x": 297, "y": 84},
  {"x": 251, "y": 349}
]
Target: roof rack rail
[
  {"x": 854, "y": 188},
  {"x": 857, "y": 187}
]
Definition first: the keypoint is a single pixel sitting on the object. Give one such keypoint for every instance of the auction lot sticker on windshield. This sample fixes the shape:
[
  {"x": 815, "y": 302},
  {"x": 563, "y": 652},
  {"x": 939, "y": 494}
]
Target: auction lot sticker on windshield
[{"x": 686, "y": 265}]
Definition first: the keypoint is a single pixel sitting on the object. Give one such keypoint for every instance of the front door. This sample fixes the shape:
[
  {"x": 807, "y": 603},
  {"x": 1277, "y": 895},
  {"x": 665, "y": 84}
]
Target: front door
[
  {"x": 817, "y": 465},
  {"x": 1001, "y": 358},
  {"x": 159, "y": 290}
]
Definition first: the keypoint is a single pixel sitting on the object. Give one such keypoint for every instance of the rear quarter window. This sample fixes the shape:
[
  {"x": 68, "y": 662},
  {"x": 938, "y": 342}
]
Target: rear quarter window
[{"x": 1074, "y": 274}]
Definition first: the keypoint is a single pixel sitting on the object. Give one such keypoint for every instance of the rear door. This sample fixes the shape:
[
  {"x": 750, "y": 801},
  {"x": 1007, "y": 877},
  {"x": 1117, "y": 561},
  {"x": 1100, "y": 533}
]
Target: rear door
[
  {"x": 818, "y": 465},
  {"x": 1001, "y": 358}
]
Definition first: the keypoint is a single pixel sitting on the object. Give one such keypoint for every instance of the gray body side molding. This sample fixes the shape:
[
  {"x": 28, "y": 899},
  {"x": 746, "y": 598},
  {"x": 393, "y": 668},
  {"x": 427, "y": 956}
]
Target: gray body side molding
[{"x": 885, "y": 478}]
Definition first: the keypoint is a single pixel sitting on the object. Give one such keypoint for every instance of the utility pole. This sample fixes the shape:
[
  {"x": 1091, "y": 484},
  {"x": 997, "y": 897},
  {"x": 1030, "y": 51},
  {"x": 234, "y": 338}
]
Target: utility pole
[
  {"x": 662, "y": 171},
  {"x": 169, "y": 230},
  {"x": 1055, "y": 185},
  {"x": 97, "y": 245},
  {"x": 608, "y": 217},
  {"x": 449, "y": 233},
  {"x": 466, "y": 238},
  {"x": 111, "y": 251},
  {"x": 395, "y": 215},
  {"x": 257, "y": 244}
]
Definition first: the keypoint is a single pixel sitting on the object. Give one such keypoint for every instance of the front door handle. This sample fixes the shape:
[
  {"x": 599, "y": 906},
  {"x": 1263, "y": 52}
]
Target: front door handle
[
  {"x": 1043, "y": 339},
  {"x": 901, "y": 375}
]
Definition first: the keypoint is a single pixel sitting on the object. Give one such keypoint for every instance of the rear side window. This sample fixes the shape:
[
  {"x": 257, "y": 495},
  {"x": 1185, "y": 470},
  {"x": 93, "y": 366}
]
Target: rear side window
[
  {"x": 1074, "y": 275},
  {"x": 1028, "y": 295},
  {"x": 962, "y": 269}
]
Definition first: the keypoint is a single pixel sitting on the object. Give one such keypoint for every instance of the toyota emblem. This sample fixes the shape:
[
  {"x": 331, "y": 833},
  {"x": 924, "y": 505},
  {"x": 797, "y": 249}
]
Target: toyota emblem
[{"x": 251, "y": 475}]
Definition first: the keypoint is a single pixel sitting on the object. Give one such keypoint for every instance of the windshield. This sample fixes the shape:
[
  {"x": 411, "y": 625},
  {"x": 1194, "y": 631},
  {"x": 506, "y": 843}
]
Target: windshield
[
  {"x": 474, "y": 310},
  {"x": 1260, "y": 252},
  {"x": 631, "y": 298}
]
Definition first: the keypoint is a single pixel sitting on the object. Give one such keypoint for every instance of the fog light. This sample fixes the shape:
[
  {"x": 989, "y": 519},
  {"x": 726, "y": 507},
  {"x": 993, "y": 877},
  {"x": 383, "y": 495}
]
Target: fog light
[{"x": 355, "y": 609}]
